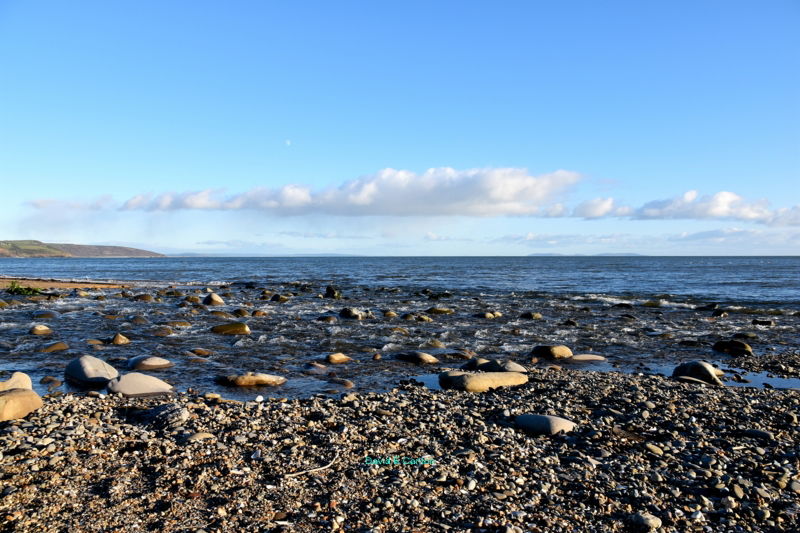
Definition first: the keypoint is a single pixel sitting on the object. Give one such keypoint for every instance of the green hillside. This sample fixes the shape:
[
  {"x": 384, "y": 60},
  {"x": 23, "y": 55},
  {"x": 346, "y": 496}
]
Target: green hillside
[{"x": 43, "y": 249}]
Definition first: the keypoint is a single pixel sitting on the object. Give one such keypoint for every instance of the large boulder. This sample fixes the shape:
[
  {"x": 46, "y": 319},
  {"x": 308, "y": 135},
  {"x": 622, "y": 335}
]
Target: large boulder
[
  {"x": 18, "y": 403},
  {"x": 233, "y": 328},
  {"x": 134, "y": 385},
  {"x": 544, "y": 424},
  {"x": 88, "y": 371},
  {"x": 18, "y": 380},
  {"x": 552, "y": 352},
  {"x": 699, "y": 370},
  {"x": 481, "y": 381}
]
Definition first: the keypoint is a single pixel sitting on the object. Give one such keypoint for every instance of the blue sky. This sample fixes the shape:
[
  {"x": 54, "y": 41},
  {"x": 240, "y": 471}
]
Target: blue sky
[{"x": 413, "y": 128}]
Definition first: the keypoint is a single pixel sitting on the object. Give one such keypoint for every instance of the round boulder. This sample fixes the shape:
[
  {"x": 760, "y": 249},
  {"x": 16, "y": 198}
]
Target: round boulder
[
  {"x": 134, "y": 385},
  {"x": 213, "y": 299},
  {"x": 148, "y": 362},
  {"x": 18, "y": 403},
  {"x": 18, "y": 380},
  {"x": 88, "y": 371}
]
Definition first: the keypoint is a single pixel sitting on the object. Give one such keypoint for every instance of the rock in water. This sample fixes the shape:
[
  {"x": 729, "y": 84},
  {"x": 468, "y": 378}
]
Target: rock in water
[
  {"x": 55, "y": 347},
  {"x": 733, "y": 347},
  {"x": 698, "y": 370},
  {"x": 134, "y": 385},
  {"x": 333, "y": 292},
  {"x": 234, "y": 328},
  {"x": 251, "y": 379},
  {"x": 420, "y": 358},
  {"x": 18, "y": 380},
  {"x": 213, "y": 299},
  {"x": 88, "y": 371},
  {"x": 552, "y": 352},
  {"x": 544, "y": 424},
  {"x": 119, "y": 339},
  {"x": 18, "y": 403},
  {"x": 338, "y": 358},
  {"x": 353, "y": 313},
  {"x": 40, "y": 329},
  {"x": 439, "y": 311},
  {"x": 530, "y": 315},
  {"x": 148, "y": 362},
  {"x": 480, "y": 382}
]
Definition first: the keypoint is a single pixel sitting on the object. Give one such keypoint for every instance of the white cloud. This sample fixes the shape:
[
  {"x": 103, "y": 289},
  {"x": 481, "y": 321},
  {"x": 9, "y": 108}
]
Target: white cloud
[
  {"x": 438, "y": 191},
  {"x": 600, "y": 207},
  {"x": 722, "y": 205}
]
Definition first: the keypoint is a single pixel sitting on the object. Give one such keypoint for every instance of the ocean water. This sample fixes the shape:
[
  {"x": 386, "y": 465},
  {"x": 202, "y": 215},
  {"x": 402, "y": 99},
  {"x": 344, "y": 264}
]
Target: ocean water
[
  {"x": 746, "y": 280},
  {"x": 664, "y": 324}
]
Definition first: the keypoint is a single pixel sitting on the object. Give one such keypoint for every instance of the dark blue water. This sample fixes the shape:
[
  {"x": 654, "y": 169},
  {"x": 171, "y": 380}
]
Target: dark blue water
[{"x": 746, "y": 280}]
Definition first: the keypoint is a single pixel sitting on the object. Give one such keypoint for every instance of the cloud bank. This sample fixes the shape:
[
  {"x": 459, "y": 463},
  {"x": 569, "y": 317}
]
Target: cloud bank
[
  {"x": 390, "y": 192},
  {"x": 490, "y": 192}
]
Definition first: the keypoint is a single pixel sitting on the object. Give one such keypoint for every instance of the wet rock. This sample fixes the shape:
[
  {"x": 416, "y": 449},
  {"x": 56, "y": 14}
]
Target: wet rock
[
  {"x": 490, "y": 365},
  {"x": 622, "y": 305},
  {"x": 439, "y": 311},
  {"x": 223, "y": 314},
  {"x": 119, "y": 339},
  {"x": 419, "y": 358},
  {"x": 134, "y": 385},
  {"x": 333, "y": 293},
  {"x": 88, "y": 371},
  {"x": 213, "y": 299},
  {"x": 241, "y": 312},
  {"x": 699, "y": 370},
  {"x": 544, "y": 424},
  {"x": 328, "y": 319},
  {"x": 40, "y": 330},
  {"x": 352, "y": 313},
  {"x": 279, "y": 298},
  {"x": 55, "y": 347},
  {"x": 389, "y": 314},
  {"x": 251, "y": 379},
  {"x": 179, "y": 324},
  {"x": 162, "y": 331},
  {"x": 760, "y": 322},
  {"x": 18, "y": 403},
  {"x": 719, "y": 313},
  {"x": 481, "y": 381},
  {"x": 143, "y": 298},
  {"x": 733, "y": 347},
  {"x": 148, "y": 362},
  {"x": 43, "y": 315},
  {"x": 234, "y": 328},
  {"x": 552, "y": 352},
  {"x": 18, "y": 380},
  {"x": 338, "y": 358},
  {"x": 530, "y": 315}
]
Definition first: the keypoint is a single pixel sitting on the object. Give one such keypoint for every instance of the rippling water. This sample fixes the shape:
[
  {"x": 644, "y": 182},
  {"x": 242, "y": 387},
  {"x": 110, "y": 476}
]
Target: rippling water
[
  {"x": 765, "y": 280},
  {"x": 576, "y": 297}
]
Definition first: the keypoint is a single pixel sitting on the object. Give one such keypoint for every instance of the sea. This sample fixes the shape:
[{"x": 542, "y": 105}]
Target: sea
[
  {"x": 745, "y": 280},
  {"x": 643, "y": 314}
]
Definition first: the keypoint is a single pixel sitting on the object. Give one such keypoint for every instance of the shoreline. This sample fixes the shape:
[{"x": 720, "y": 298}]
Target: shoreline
[
  {"x": 44, "y": 283},
  {"x": 645, "y": 449}
]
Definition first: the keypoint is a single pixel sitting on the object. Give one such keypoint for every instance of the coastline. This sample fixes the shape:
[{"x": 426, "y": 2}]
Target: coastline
[{"x": 42, "y": 283}]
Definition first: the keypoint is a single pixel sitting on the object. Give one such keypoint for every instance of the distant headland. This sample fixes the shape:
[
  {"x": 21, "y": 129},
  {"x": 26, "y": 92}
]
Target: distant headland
[{"x": 49, "y": 249}]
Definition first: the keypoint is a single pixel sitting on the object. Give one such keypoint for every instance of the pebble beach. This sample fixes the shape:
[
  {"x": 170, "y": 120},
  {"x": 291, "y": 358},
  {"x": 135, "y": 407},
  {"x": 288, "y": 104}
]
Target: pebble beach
[{"x": 362, "y": 428}]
